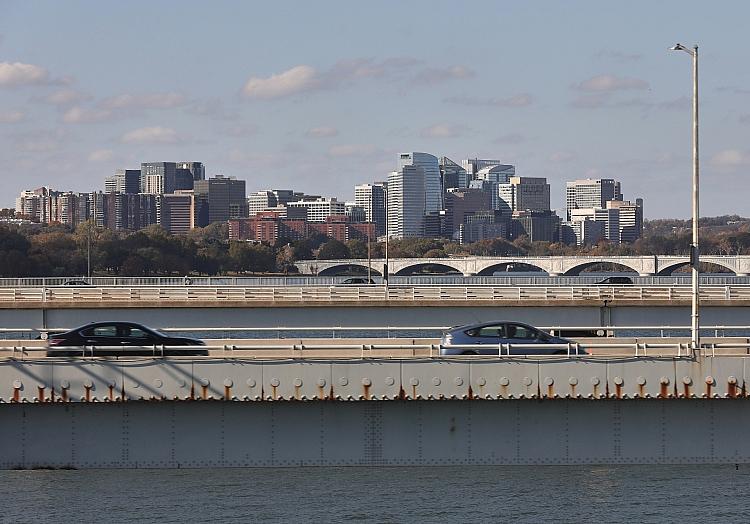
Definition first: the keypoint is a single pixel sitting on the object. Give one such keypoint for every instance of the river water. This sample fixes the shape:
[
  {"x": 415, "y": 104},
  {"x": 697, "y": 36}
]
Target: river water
[{"x": 381, "y": 495}]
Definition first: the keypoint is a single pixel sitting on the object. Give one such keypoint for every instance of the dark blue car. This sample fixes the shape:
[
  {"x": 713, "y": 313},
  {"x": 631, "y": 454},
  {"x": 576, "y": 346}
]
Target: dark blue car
[{"x": 503, "y": 337}]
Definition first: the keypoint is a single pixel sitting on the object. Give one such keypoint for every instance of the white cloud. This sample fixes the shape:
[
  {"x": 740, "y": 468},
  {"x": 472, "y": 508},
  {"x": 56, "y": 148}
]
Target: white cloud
[
  {"x": 352, "y": 150},
  {"x": 295, "y": 80},
  {"x": 18, "y": 74},
  {"x": 144, "y": 101},
  {"x": 434, "y": 75},
  {"x": 322, "y": 132},
  {"x": 443, "y": 131},
  {"x": 731, "y": 158},
  {"x": 101, "y": 155},
  {"x": 151, "y": 135},
  {"x": 519, "y": 100},
  {"x": 11, "y": 117},
  {"x": 80, "y": 115},
  {"x": 609, "y": 83},
  {"x": 64, "y": 97},
  {"x": 510, "y": 138},
  {"x": 562, "y": 156}
]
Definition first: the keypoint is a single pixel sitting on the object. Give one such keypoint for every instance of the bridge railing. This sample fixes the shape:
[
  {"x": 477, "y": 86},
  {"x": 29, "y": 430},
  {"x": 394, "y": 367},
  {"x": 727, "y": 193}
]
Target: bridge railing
[
  {"x": 306, "y": 294},
  {"x": 595, "y": 351},
  {"x": 509, "y": 279}
]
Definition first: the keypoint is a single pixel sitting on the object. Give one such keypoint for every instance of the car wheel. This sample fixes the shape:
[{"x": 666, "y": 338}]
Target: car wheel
[{"x": 469, "y": 352}]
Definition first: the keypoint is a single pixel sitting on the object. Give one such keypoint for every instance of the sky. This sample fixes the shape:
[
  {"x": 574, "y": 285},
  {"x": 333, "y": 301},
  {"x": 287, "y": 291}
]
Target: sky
[{"x": 320, "y": 96}]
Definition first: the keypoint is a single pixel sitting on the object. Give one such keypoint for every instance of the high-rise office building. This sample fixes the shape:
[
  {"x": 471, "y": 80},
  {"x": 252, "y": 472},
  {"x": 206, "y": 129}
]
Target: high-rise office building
[
  {"x": 433, "y": 199},
  {"x": 463, "y": 203},
  {"x": 452, "y": 174},
  {"x": 589, "y": 193},
  {"x": 319, "y": 209},
  {"x": 260, "y": 201},
  {"x": 474, "y": 165},
  {"x": 372, "y": 197},
  {"x": 196, "y": 169},
  {"x": 406, "y": 202},
  {"x": 536, "y": 225},
  {"x": 630, "y": 218},
  {"x": 123, "y": 181},
  {"x": 158, "y": 177},
  {"x": 524, "y": 194},
  {"x": 500, "y": 173},
  {"x": 218, "y": 199},
  {"x": 176, "y": 212},
  {"x": 608, "y": 217}
]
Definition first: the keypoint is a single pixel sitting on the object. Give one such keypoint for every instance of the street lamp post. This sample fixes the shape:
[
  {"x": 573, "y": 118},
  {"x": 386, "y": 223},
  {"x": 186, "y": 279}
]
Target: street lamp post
[{"x": 694, "y": 251}]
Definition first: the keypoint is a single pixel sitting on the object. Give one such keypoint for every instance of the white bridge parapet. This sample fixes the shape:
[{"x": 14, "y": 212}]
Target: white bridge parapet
[{"x": 557, "y": 265}]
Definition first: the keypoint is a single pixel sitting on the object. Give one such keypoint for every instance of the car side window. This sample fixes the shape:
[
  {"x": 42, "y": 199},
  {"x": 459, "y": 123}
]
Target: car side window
[
  {"x": 133, "y": 332},
  {"x": 100, "y": 331},
  {"x": 520, "y": 331},
  {"x": 491, "y": 331}
]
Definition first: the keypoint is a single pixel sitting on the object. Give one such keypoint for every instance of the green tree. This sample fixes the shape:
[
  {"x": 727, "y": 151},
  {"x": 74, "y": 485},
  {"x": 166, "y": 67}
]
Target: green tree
[{"x": 333, "y": 250}]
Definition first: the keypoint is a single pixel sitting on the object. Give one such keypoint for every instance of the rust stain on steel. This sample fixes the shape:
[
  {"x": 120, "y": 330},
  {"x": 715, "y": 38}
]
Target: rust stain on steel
[
  {"x": 321, "y": 393},
  {"x": 88, "y": 393},
  {"x": 401, "y": 393},
  {"x": 708, "y": 389},
  {"x": 663, "y": 391},
  {"x": 414, "y": 392},
  {"x": 640, "y": 390},
  {"x": 551, "y": 391},
  {"x": 227, "y": 393},
  {"x": 296, "y": 392},
  {"x": 192, "y": 391},
  {"x": 732, "y": 390},
  {"x": 573, "y": 390},
  {"x": 503, "y": 391},
  {"x": 204, "y": 392},
  {"x": 471, "y": 393},
  {"x": 111, "y": 392},
  {"x": 686, "y": 391},
  {"x": 273, "y": 392},
  {"x": 64, "y": 394},
  {"x": 618, "y": 390},
  {"x": 52, "y": 394},
  {"x": 16, "y": 395},
  {"x": 596, "y": 390},
  {"x": 366, "y": 389},
  {"x": 41, "y": 393}
]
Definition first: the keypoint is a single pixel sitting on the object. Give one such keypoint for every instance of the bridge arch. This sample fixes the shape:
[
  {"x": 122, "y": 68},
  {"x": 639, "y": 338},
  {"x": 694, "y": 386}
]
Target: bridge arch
[
  {"x": 705, "y": 267},
  {"x": 507, "y": 268},
  {"x": 347, "y": 270},
  {"x": 425, "y": 267},
  {"x": 579, "y": 268}
]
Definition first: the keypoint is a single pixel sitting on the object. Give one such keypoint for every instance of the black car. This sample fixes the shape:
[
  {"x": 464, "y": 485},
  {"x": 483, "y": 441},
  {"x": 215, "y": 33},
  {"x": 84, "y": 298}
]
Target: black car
[
  {"x": 616, "y": 281},
  {"x": 358, "y": 281},
  {"x": 115, "y": 339}
]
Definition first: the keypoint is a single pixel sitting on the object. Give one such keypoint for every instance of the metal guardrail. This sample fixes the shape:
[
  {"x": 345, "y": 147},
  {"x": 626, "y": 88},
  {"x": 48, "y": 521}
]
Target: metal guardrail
[
  {"x": 353, "y": 294},
  {"x": 364, "y": 351},
  {"x": 510, "y": 279}
]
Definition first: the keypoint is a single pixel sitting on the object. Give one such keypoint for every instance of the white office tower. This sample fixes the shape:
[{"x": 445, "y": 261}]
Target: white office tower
[
  {"x": 406, "y": 202},
  {"x": 500, "y": 174},
  {"x": 590, "y": 192},
  {"x": 608, "y": 217},
  {"x": 433, "y": 191},
  {"x": 319, "y": 209},
  {"x": 524, "y": 193},
  {"x": 474, "y": 165},
  {"x": 261, "y": 201},
  {"x": 631, "y": 218},
  {"x": 372, "y": 198}
]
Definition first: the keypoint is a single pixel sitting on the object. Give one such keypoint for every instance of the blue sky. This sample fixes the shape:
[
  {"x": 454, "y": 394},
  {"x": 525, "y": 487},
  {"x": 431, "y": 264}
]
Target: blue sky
[{"x": 319, "y": 96}]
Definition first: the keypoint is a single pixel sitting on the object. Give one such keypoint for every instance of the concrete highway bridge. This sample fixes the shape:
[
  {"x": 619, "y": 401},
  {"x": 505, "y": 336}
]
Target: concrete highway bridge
[{"x": 553, "y": 266}]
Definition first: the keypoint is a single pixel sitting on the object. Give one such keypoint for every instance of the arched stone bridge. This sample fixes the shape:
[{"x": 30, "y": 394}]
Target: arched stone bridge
[{"x": 553, "y": 266}]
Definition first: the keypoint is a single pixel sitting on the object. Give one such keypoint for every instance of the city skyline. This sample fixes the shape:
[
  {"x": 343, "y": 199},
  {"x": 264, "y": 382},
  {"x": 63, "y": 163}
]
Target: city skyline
[{"x": 335, "y": 107}]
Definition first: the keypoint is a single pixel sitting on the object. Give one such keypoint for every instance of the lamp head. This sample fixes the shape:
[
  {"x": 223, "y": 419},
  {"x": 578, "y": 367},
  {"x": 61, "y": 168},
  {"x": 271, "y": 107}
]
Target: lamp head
[{"x": 680, "y": 47}]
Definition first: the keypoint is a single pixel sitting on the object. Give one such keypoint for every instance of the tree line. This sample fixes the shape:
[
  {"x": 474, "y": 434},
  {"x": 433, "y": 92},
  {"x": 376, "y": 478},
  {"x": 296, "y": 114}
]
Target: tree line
[{"x": 56, "y": 250}]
